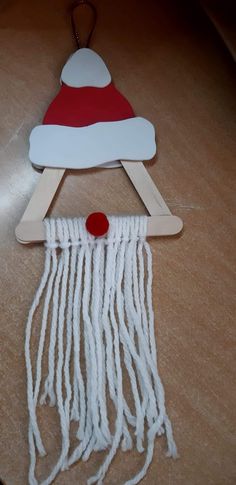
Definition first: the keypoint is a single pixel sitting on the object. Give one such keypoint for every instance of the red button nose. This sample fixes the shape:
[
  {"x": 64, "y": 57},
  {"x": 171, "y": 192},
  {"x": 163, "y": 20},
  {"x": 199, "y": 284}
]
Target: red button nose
[{"x": 97, "y": 224}]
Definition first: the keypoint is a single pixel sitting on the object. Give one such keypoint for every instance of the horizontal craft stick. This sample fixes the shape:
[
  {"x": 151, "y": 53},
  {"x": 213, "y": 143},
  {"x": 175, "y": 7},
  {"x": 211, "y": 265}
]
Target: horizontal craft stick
[{"x": 34, "y": 231}]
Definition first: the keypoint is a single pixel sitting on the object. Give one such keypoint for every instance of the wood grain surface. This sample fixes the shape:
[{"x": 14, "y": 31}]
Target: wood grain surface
[{"x": 167, "y": 59}]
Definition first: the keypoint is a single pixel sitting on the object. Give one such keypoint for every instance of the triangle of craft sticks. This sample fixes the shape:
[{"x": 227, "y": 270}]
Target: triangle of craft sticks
[{"x": 160, "y": 222}]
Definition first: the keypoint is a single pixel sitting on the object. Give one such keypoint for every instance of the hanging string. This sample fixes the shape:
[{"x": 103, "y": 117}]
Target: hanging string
[{"x": 82, "y": 6}]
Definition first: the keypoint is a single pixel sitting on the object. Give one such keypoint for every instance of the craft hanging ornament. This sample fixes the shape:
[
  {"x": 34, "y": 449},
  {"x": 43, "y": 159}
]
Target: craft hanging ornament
[{"x": 95, "y": 293}]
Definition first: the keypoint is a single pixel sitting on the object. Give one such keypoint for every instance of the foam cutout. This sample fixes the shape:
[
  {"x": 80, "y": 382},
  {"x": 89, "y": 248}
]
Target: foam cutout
[
  {"x": 90, "y": 123},
  {"x": 93, "y": 145},
  {"x": 85, "y": 68}
]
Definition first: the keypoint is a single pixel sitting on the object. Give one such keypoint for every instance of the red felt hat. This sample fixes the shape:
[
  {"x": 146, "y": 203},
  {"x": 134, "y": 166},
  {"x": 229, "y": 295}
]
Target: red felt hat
[{"x": 90, "y": 123}]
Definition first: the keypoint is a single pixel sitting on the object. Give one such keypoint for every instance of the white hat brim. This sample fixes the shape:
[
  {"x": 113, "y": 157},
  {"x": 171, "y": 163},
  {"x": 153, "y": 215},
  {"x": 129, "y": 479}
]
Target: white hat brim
[{"x": 90, "y": 146}]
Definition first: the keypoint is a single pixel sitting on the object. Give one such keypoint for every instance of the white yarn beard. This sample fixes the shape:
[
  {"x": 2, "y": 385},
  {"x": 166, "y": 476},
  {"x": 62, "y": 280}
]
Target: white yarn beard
[{"x": 97, "y": 306}]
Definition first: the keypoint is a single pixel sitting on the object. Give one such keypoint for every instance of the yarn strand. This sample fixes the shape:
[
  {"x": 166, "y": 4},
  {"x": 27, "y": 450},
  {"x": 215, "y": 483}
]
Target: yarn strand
[{"x": 95, "y": 296}]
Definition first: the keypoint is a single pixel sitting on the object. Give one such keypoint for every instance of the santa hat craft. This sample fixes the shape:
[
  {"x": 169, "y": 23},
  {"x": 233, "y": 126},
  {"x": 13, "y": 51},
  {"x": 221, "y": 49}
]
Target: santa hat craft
[
  {"x": 94, "y": 296},
  {"x": 90, "y": 123}
]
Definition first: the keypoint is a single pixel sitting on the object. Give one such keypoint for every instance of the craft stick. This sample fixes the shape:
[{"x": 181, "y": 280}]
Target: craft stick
[
  {"x": 146, "y": 188},
  {"x": 34, "y": 231},
  {"x": 43, "y": 195}
]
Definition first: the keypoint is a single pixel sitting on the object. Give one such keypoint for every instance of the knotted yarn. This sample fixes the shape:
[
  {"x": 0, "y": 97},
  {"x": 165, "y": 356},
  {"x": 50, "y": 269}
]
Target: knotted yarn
[{"x": 96, "y": 298}]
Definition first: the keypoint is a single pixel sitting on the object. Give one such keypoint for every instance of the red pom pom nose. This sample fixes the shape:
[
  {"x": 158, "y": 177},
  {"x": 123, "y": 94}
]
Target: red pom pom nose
[{"x": 97, "y": 224}]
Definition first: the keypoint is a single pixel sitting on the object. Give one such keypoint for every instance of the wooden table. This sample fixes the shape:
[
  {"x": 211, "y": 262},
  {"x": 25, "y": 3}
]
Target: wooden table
[{"x": 172, "y": 66}]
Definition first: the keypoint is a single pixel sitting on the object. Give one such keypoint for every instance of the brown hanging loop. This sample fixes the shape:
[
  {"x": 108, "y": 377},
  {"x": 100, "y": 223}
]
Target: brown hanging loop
[{"x": 83, "y": 5}]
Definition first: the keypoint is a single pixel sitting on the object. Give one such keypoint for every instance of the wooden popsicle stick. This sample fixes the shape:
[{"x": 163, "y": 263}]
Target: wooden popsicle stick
[
  {"x": 43, "y": 195},
  {"x": 146, "y": 188},
  {"x": 34, "y": 231}
]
